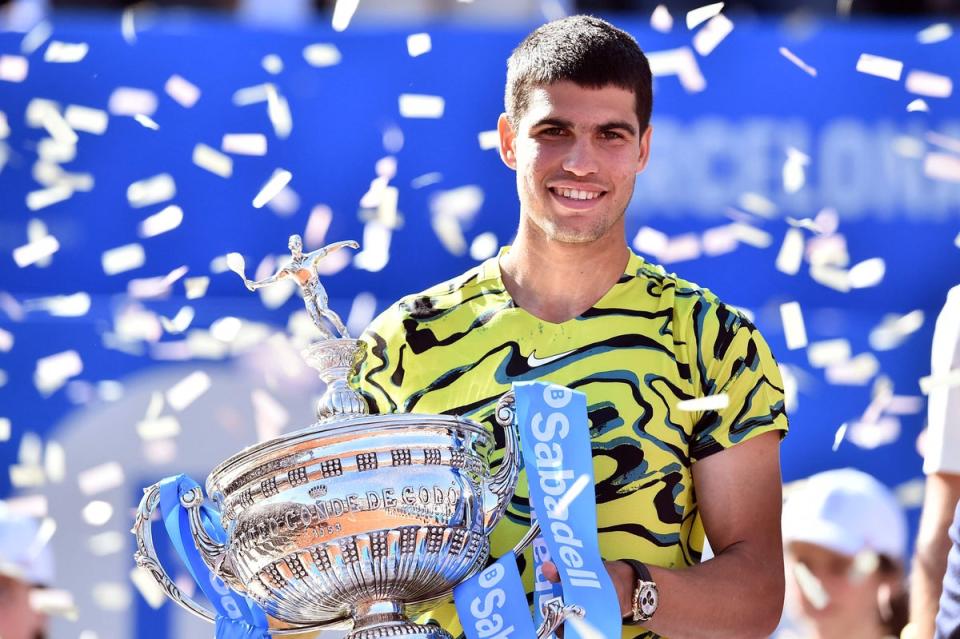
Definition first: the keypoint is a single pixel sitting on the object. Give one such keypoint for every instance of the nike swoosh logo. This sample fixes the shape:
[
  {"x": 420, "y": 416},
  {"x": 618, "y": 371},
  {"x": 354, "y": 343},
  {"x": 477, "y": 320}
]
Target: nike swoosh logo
[{"x": 533, "y": 361}]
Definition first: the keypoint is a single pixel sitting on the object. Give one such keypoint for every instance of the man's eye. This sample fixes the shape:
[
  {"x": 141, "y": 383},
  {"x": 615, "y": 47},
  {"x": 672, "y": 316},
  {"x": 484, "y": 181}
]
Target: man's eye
[
  {"x": 611, "y": 135},
  {"x": 552, "y": 131}
]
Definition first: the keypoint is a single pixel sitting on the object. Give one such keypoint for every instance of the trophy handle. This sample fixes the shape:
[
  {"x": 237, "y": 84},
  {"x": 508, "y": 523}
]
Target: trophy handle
[
  {"x": 146, "y": 557},
  {"x": 503, "y": 483},
  {"x": 554, "y": 613}
]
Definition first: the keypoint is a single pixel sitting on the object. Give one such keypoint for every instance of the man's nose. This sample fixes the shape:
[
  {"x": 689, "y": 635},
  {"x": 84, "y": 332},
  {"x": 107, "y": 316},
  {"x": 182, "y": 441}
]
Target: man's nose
[{"x": 580, "y": 159}]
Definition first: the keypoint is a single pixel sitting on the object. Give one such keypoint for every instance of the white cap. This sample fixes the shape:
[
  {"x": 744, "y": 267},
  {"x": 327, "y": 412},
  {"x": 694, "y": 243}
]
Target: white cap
[
  {"x": 847, "y": 511},
  {"x": 22, "y": 555}
]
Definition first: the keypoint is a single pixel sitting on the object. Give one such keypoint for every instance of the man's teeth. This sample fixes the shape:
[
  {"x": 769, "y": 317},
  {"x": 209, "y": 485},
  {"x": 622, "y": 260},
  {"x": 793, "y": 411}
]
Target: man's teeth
[{"x": 574, "y": 194}]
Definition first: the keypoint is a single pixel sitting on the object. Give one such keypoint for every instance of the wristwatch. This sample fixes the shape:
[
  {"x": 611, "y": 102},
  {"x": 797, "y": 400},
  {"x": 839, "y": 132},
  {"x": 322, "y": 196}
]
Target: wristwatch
[{"x": 646, "y": 596}]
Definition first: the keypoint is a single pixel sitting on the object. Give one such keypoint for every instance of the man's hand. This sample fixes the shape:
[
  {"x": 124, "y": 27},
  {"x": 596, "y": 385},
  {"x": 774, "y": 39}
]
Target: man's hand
[{"x": 621, "y": 574}]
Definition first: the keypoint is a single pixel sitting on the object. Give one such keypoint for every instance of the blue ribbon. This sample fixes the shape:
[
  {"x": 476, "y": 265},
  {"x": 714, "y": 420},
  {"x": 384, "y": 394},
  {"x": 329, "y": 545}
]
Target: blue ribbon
[
  {"x": 237, "y": 616},
  {"x": 493, "y": 604},
  {"x": 543, "y": 589}
]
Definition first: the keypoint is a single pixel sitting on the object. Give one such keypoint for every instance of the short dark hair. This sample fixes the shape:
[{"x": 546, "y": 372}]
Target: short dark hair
[{"x": 584, "y": 50}]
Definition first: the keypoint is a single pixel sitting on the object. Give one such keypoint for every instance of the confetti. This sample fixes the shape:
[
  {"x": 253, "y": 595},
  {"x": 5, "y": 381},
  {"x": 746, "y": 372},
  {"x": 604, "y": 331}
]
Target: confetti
[
  {"x": 879, "y": 66},
  {"x": 910, "y": 493},
  {"x": 146, "y": 122},
  {"x": 153, "y": 287},
  {"x": 165, "y": 220},
  {"x": 322, "y": 55},
  {"x": 867, "y": 273},
  {"x": 212, "y": 160},
  {"x": 751, "y": 235},
  {"x": 865, "y": 563},
  {"x": 128, "y": 27},
  {"x": 661, "y": 20},
  {"x": 151, "y": 190},
  {"x": 180, "y": 322},
  {"x": 54, "y": 462},
  {"x": 273, "y": 186},
  {"x": 158, "y": 428},
  {"x": 317, "y": 226},
  {"x": 272, "y": 64},
  {"x": 376, "y": 247},
  {"x": 196, "y": 287},
  {"x": 76, "y": 305},
  {"x": 681, "y": 63},
  {"x": 22, "y": 476},
  {"x": 585, "y": 629},
  {"x": 794, "y": 170},
  {"x": 4, "y": 126},
  {"x": 414, "y": 105},
  {"x": 107, "y": 543},
  {"x": 941, "y": 166},
  {"x": 187, "y": 390},
  {"x": 793, "y": 327},
  {"x": 130, "y": 101},
  {"x": 702, "y": 14},
  {"x": 811, "y": 587},
  {"x": 100, "y": 478},
  {"x": 65, "y": 52},
  {"x": 709, "y": 402},
  {"x": 6, "y": 341},
  {"x": 828, "y": 352},
  {"x": 560, "y": 506},
  {"x": 941, "y": 380},
  {"x": 484, "y": 246},
  {"x": 54, "y": 602},
  {"x": 286, "y": 202},
  {"x": 712, "y": 34},
  {"x": 270, "y": 417},
  {"x": 489, "y": 139},
  {"x": 792, "y": 57},
  {"x": 278, "y": 110},
  {"x": 112, "y": 596},
  {"x": 719, "y": 240},
  {"x": 894, "y": 329},
  {"x": 182, "y": 91},
  {"x": 930, "y": 85},
  {"x": 147, "y": 586},
  {"x": 122, "y": 259},
  {"x": 85, "y": 119},
  {"x": 935, "y": 33},
  {"x": 343, "y": 13},
  {"x": 918, "y": 105},
  {"x": 226, "y": 329},
  {"x": 244, "y": 143},
  {"x": 857, "y": 371},
  {"x": 790, "y": 256},
  {"x": 35, "y": 506},
  {"x": 35, "y": 37},
  {"x": 53, "y": 371},
  {"x": 13, "y": 68},
  {"x": 757, "y": 204},
  {"x": 35, "y": 251},
  {"x": 872, "y": 434},
  {"x": 418, "y": 44}
]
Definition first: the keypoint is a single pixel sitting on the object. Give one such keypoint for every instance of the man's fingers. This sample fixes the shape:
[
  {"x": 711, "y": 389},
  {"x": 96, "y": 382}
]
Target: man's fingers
[{"x": 550, "y": 571}]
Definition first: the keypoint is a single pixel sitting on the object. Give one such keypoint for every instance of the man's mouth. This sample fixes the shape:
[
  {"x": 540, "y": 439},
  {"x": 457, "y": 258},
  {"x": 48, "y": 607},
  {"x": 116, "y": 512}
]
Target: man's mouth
[{"x": 576, "y": 194}]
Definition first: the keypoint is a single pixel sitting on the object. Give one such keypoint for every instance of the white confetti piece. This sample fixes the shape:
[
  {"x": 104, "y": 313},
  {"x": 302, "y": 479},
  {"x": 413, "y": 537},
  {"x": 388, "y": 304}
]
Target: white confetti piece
[
  {"x": 112, "y": 596},
  {"x": 6, "y": 341},
  {"x": 153, "y": 287},
  {"x": 561, "y": 505},
  {"x": 196, "y": 287},
  {"x": 794, "y": 170},
  {"x": 484, "y": 246},
  {"x": 661, "y": 20},
  {"x": 158, "y": 428},
  {"x": 427, "y": 179},
  {"x": 751, "y": 235},
  {"x": 828, "y": 250},
  {"x": 792, "y": 57},
  {"x": 54, "y": 602},
  {"x": 130, "y": 101},
  {"x": 65, "y": 52},
  {"x": 35, "y": 506},
  {"x": 22, "y": 476},
  {"x": 270, "y": 417},
  {"x": 31, "y": 449},
  {"x": 867, "y": 273},
  {"x": 151, "y": 190},
  {"x": 870, "y": 435},
  {"x": 180, "y": 322},
  {"x": 97, "y": 512},
  {"x": 208, "y": 158},
  {"x": 317, "y": 226},
  {"x": 702, "y": 14},
  {"x": 100, "y": 478},
  {"x": 865, "y": 563},
  {"x": 941, "y": 380},
  {"x": 681, "y": 63},
  {"x": 286, "y": 202},
  {"x": 54, "y": 462},
  {"x": 757, "y": 204},
  {"x": 5, "y": 429},
  {"x": 188, "y": 390},
  {"x": 278, "y": 111},
  {"x": 418, "y": 44},
  {"x": 35, "y": 37},
  {"x": 53, "y": 371},
  {"x": 76, "y": 305},
  {"x": 184, "y": 92},
  {"x": 857, "y": 371},
  {"x": 413, "y": 105},
  {"x": 128, "y": 26},
  {"x": 272, "y": 64},
  {"x": 273, "y": 186},
  {"x": 935, "y": 33},
  {"x": 941, "y": 166},
  {"x": 910, "y": 493},
  {"x": 828, "y": 352},
  {"x": 712, "y": 34},
  {"x": 4, "y": 128},
  {"x": 13, "y": 68},
  {"x": 362, "y": 310},
  {"x": 879, "y": 66},
  {"x": 376, "y": 248},
  {"x": 35, "y": 251},
  {"x": 790, "y": 256},
  {"x": 719, "y": 240},
  {"x": 894, "y": 329},
  {"x": 244, "y": 143},
  {"x": 918, "y": 105},
  {"x": 122, "y": 259},
  {"x": 226, "y": 329},
  {"x": 147, "y": 586},
  {"x": 489, "y": 139},
  {"x": 811, "y": 587},
  {"x": 930, "y": 85},
  {"x": 163, "y": 221},
  {"x": 322, "y": 55},
  {"x": 343, "y": 13},
  {"x": 794, "y": 329},
  {"x": 710, "y": 402},
  {"x": 107, "y": 543},
  {"x": 81, "y": 118},
  {"x": 146, "y": 122}
]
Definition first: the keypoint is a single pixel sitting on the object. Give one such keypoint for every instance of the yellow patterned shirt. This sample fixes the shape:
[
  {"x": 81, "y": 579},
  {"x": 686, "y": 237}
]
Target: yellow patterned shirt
[{"x": 650, "y": 342}]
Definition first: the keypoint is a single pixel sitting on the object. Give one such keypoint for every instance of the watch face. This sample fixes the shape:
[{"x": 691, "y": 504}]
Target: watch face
[{"x": 648, "y": 599}]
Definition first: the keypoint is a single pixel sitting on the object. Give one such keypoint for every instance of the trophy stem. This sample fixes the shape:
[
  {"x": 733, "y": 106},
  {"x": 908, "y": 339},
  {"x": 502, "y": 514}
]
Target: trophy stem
[{"x": 384, "y": 618}]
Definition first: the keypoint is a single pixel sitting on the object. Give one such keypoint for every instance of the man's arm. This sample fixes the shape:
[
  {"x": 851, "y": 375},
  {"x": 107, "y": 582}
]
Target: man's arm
[
  {"x": 933, "y": 545},
  {"x": 279, "y": 275}
]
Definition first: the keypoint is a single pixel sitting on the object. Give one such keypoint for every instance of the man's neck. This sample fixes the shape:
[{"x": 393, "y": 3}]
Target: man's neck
[{"x": 558, "y": 281}]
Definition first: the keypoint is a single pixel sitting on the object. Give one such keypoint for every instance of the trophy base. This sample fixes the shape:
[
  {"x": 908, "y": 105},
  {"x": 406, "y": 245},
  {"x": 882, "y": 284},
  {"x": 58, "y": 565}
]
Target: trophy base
[{"x": 399, "y": 629}]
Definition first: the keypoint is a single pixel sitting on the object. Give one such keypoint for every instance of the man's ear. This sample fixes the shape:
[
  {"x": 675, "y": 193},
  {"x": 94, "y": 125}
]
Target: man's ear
[
  {"x": 508, "y": 140},
  {"x": 644, "y": 156}
]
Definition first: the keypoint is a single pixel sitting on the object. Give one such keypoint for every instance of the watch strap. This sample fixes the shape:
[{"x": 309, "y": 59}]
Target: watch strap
[{"x": 641, "y": 573}]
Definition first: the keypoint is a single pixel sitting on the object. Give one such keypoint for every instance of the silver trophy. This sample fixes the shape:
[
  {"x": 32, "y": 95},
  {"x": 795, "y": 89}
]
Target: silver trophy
[{"x": 357, "y": 519}]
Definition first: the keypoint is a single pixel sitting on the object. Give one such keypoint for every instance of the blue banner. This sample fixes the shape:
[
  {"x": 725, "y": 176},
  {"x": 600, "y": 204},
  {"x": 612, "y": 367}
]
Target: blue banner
[
  {"x": 543, "y": 589},
  {"x": 492, "y": 604}
]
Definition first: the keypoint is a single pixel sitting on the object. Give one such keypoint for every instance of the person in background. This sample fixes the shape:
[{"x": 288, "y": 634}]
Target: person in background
[
  {"x": 845, "y": 539},
  {"x": 941, "y": 464},
  {"x": 25, "y": 564}
]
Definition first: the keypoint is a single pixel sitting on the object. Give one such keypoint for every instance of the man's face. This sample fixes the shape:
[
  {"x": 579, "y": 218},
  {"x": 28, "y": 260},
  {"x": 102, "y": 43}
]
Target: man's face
[
  {"x": 576, "y": 152},
  {"x": 17, "y": 619}
]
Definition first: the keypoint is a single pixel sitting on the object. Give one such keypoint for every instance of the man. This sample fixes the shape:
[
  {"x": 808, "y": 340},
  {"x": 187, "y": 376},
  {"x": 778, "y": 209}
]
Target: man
[
  {"x": 942, "y": 466},
  {"x": 569, "y": 303},
  {"x": 23, "y": 567}
]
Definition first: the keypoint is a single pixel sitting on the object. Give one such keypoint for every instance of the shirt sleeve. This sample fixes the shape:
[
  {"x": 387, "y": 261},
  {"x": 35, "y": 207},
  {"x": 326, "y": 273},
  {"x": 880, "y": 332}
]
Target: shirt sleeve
[
  {"x": 733, "y": 359},
  {"x": 942, "y": 444}
]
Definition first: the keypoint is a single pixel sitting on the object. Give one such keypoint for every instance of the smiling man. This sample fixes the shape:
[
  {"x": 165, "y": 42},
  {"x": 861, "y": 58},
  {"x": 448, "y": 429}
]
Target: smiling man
[{"x": 569, "y": 303}]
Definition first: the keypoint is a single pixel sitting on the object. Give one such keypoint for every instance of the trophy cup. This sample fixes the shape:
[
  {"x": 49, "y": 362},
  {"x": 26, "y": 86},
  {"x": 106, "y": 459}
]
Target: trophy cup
[{"x": 360, "y": 519}]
